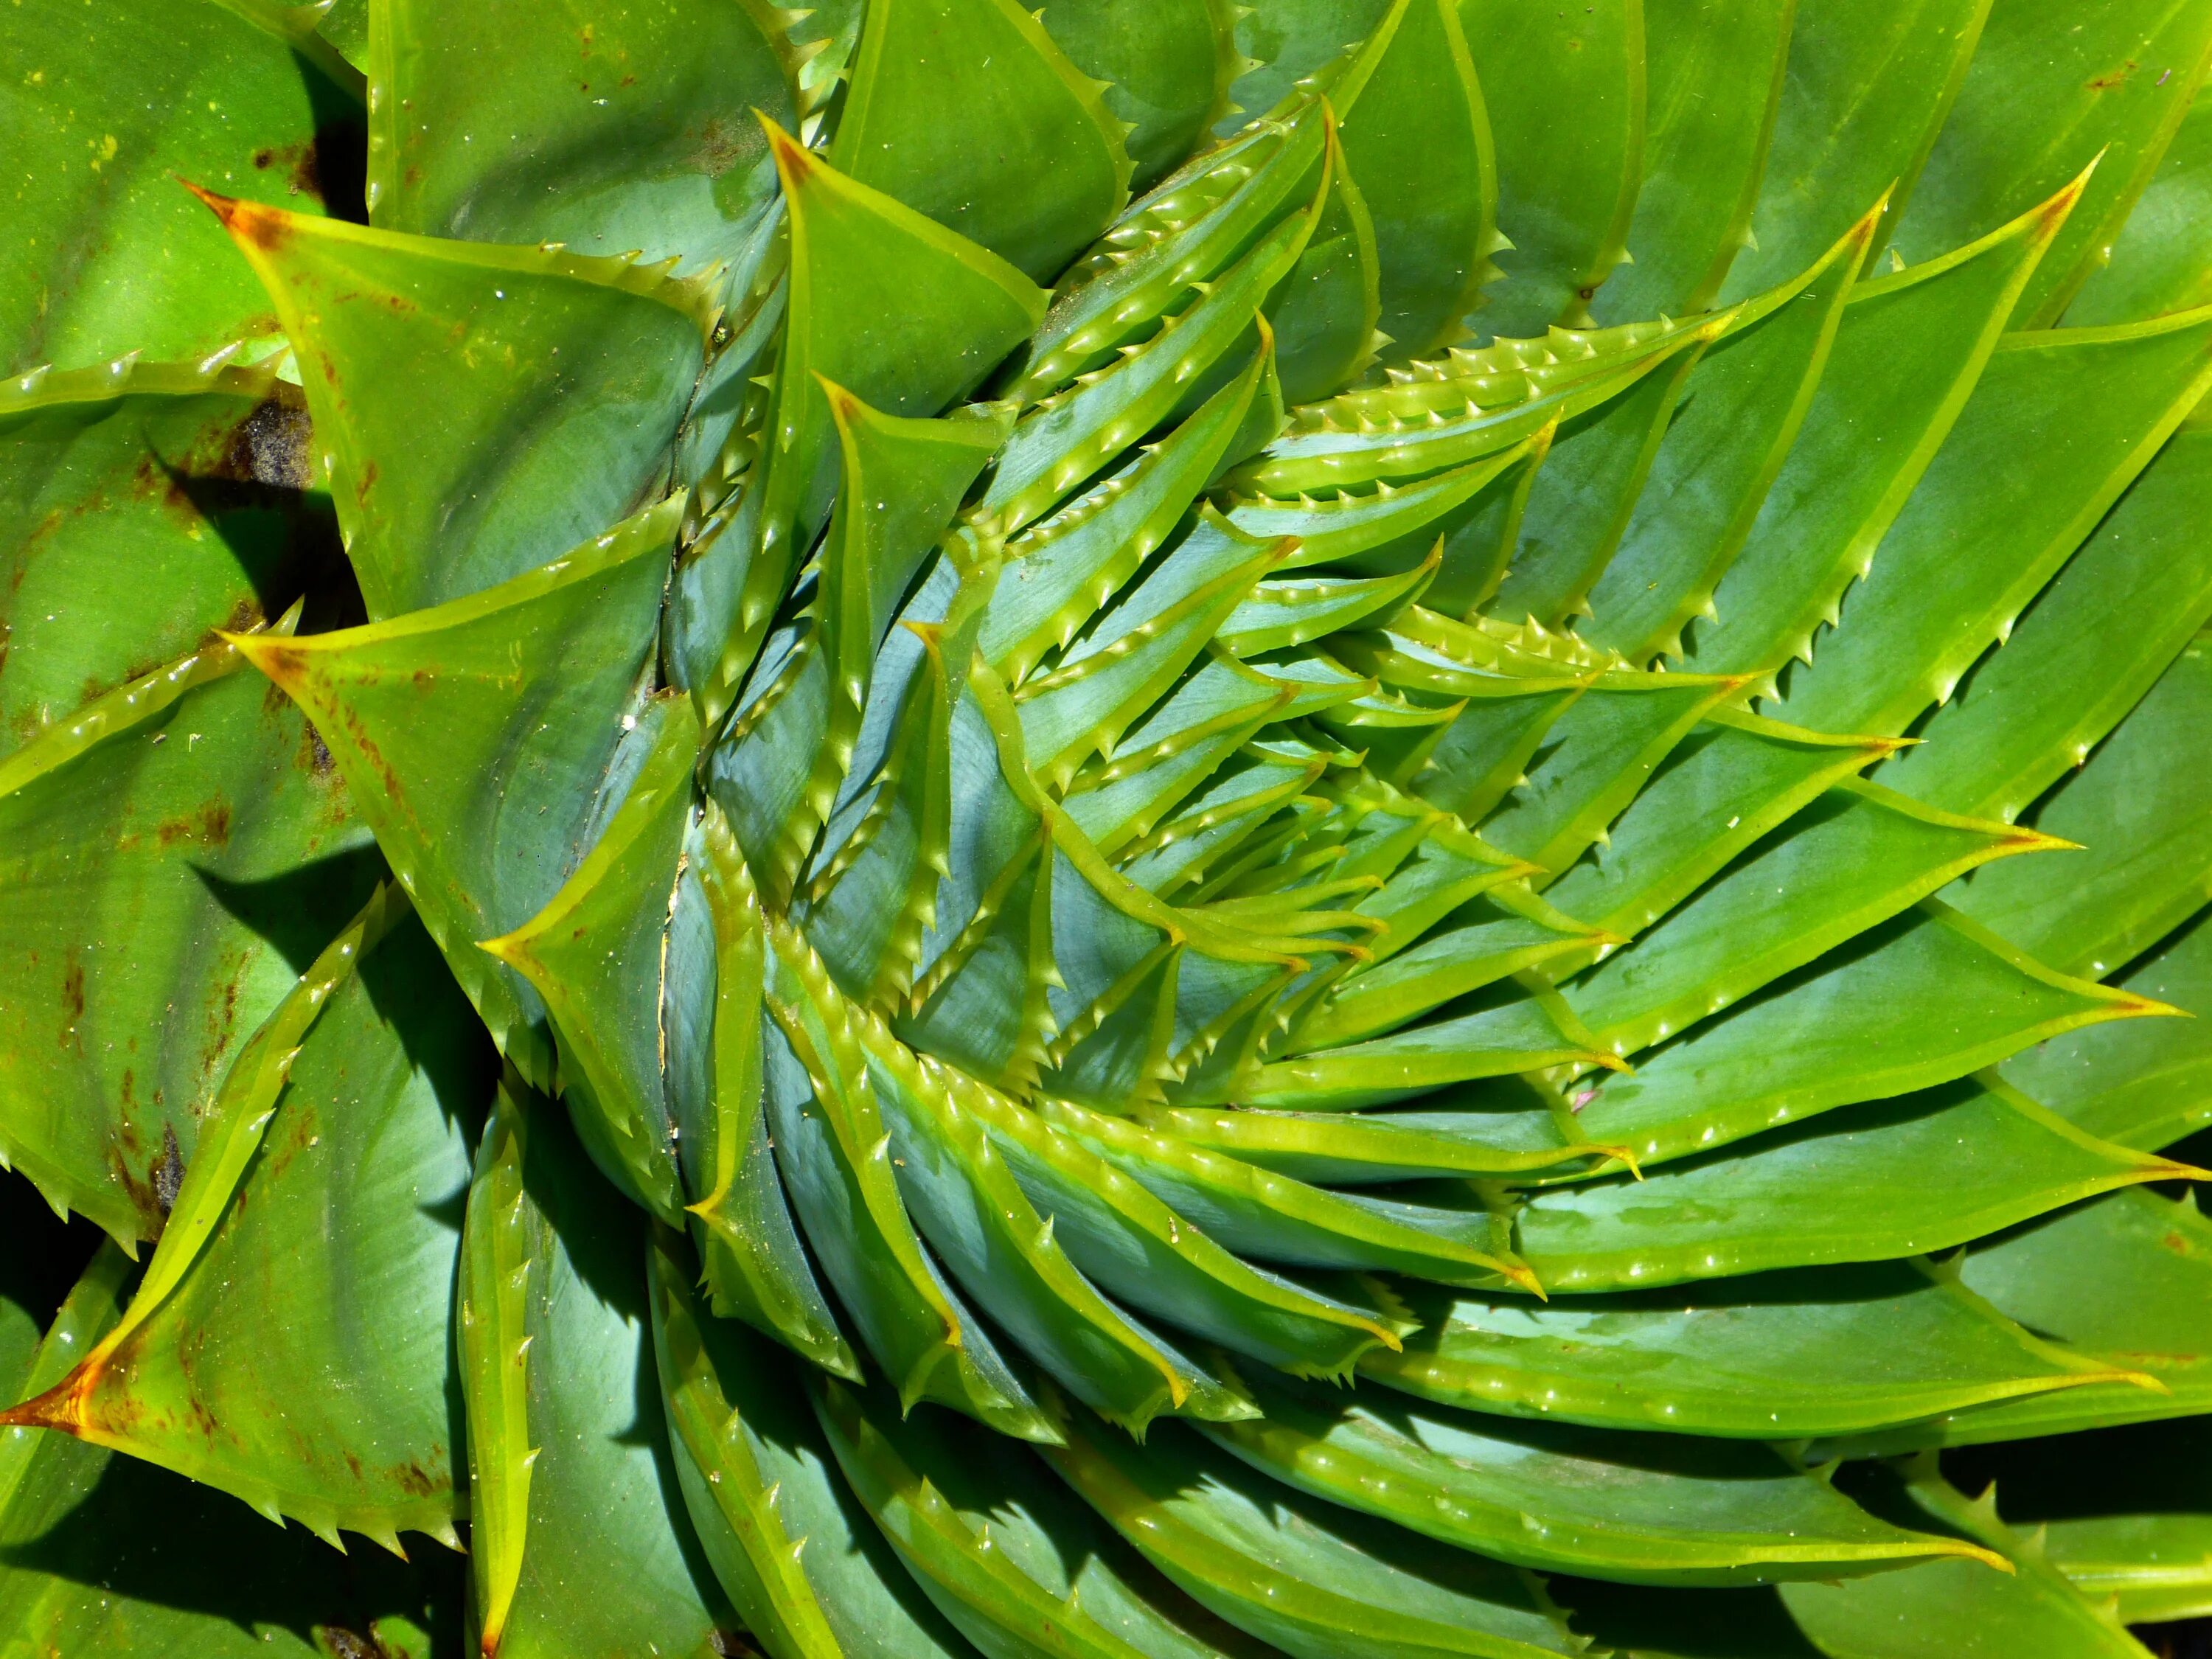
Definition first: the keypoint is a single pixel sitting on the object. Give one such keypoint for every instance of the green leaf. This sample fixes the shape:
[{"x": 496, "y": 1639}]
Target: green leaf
[
  {"x": 608, "y": 1558},
  {"x": 835, "y": 1151},
  {"x": 1313, "y": 1579},
  {"x": 2123, "y": 1280},
  {"x": 1417, "y": 139},
  {"x": 1746, "y": 775},
  {"x": 289, "y": 1343},
  {"x": 1776, "y": 1358},
  {"x": 1896, "y": 1178},
  {"x": 176, "y": 853},
  {"x": 898, "y": 311},
  {"x": 493, "y": 1338},
  {"x": 1511, "y": 1033},
  {"x": 113, "y": 257},
  {"x": 2049, "y": 93},
  {"x": 2073, "y": 668},
  {"x": 1035, "y": 204},
  {"x": 755, "y": 1267},
  {"x": 789, "y": 1541},
  {"x": 2143, "y": 1084},
  {"x": 1168, "y": 69},
  {"x": 1007, "y": 1554},
  {"x": 101, "y": 1553},
  {"x": 484, "y": 811},
  {"x": 2121, "y": 1513},
  {"x": 2160, "y": 261},
  {"x": 1866, "y": 88},
  {"x": 191, "y": 478},
  {"x": 1706, "y": 139},
  {"x": 1905, "y": 359},
  {"x": 1852, "y": 859},
  {"x": 2058, "y": 426},
  {"x": 605, "y": 128},
  {"x": 597, "y": 954},
  {"x": 1708, "y": 482},
  {"x": 1945, "y": 1608},
  {"x": 1274, "y": 1219},
  {"x": 1916, "y": 1002},
  {"x": 1565, "y": 197},
  {"x": 2145, "y": 824},
  {"x": 1639, "y": 1509},
  {"x": 560, "y": 382}
]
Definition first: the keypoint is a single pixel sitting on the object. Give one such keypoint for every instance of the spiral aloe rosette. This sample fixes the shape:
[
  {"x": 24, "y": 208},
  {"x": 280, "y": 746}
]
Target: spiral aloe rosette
[{"x": 1156, "y": 831}]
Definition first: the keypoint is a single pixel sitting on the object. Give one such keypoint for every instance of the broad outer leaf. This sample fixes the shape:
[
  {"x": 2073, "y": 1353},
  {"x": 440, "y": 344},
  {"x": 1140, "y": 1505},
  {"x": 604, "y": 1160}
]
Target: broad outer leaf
[
  {"x": 291, "y": 1341},
  {"x": 104, "y": 109},
  {"x": 479, "y": 409},
  {"x": 173, "y": 856}
]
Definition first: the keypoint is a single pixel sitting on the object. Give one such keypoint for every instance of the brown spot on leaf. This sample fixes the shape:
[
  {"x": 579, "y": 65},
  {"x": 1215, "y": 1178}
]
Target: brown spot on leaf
[{"x": 2113, "y": 78}]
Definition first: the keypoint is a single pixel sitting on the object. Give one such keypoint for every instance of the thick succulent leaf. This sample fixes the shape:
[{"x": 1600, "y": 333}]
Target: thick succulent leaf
[
  {"x": 1168, "y": 69},
  {"x": 1316, "y": 1581},
  {"x": 2048, "y": 93},
  {"x": 1596, "y": 756},
  {"x": 1854, "y": 858},
  {"x": 1906, "y": 357},
  {"x": 2141, "y": 1083},
  {"x": 105, "y": 1554},
  {"x": 2059, "y": 424},
  {"x": 606, "y": 1558},
  {"x": 1275, "y": 1219},
  {"x": 2072, "y": 668},
  {"x": 597, "y": 954},
  {"x": 191, "y": 478},
  {"x": 175, "y": 854},
  {"x": 483, "y": 813},
  {"x": 1499, "y": 1130},
  {"x": 835, "y": 1151},
  {"x": 1638, "y": 1509},
  {"x": 753, "y": 1265},
  {"x": 1780, "y": 1357},
  {"x": 1706, "y": 132},
  {"x": 1565, "y": 199},
  {"x": 113, "y": 259},
  {"x": 1899, "y": 1177},
  {"x": 1582, "y": 496},
  {"x": 2160, "y": 260},
  {"x": 1919, "y": 1000},
  {"x": 1709, "y": 481},
  {"x": 1864, "y": 92},
  {"x": 2124, "y": 1281},
  {"x": 1185, "y": 233},
  {"x": 2121, "y": 1513},
  {"x": 1746, "y": 775},
  {"x": 789, "y": 1541},
  {"x": 631, "y": 144},
  {"x": 2145, "y": 824},
  {"x": 936, "y": 312},
  {"x": 1417, "y": 138},
  {"x": 1136, "y": 1248},
  {"x": 561, "y": 379},
  {"x": 1515, "y": 1032},
  {"x": 492, "y": 1336},
  {"x": 1013, "y": 1559},
  {"x": 1942, "y": 1609},
  {"x": 1324, "y": 317},
  {"x": 290, "y": 1342},
  {"x": 1035, "y": 204}
]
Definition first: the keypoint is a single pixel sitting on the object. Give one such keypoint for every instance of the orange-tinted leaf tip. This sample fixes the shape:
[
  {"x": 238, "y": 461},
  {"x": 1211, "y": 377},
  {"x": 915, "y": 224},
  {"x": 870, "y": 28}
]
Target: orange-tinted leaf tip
[
  {"x": 61, "y": 1406},
  {"x": 278, "y": 659},
  {"x": 250, "y": 224},
  {"x": 791, "y": 161}
]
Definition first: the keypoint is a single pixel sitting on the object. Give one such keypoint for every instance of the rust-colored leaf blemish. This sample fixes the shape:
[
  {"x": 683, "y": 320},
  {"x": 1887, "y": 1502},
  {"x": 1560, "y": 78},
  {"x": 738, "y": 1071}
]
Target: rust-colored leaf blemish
[
  {"x": 72, "y": 1001},
  {"x": 2113, "y": 78}
]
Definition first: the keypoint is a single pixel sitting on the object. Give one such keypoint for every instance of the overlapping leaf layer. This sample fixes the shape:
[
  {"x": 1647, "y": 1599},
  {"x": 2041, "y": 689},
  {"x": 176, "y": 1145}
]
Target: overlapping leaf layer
[{"x": 1363, "y": 827}]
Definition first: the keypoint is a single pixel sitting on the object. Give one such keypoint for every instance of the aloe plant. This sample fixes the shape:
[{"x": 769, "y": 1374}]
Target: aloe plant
[{"x": 1352, "y": 828}]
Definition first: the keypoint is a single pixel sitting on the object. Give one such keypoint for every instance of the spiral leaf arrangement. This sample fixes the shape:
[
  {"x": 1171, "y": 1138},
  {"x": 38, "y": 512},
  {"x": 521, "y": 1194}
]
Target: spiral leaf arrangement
[{"x": 1362, "y": 827}]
